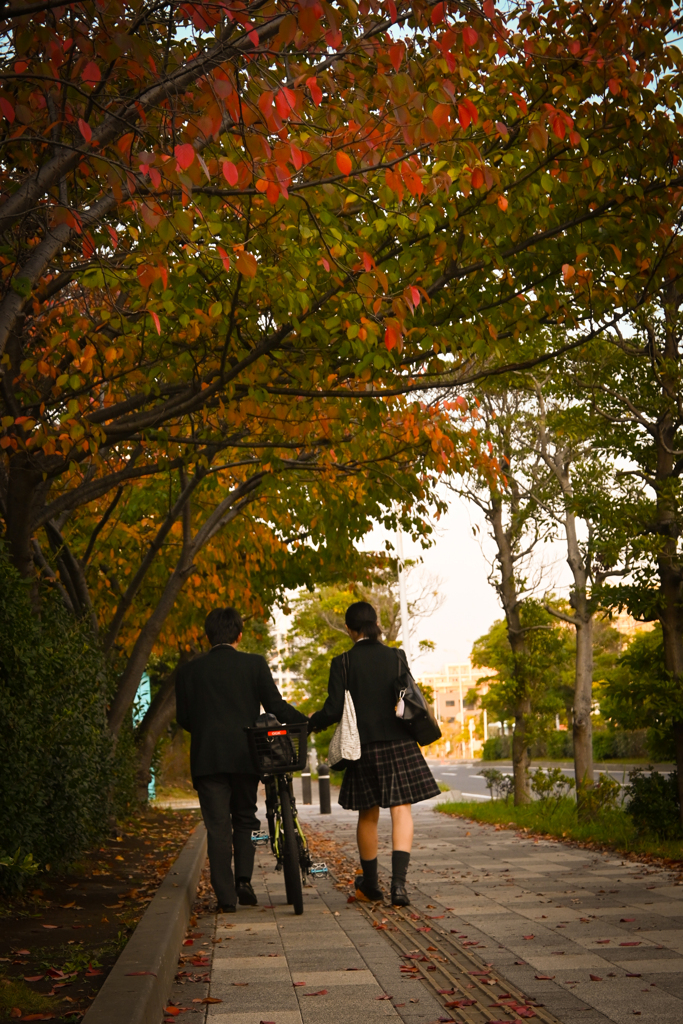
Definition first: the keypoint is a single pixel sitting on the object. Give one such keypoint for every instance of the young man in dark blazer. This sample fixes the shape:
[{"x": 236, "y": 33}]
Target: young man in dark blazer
[{"x": 218, "y": 695}]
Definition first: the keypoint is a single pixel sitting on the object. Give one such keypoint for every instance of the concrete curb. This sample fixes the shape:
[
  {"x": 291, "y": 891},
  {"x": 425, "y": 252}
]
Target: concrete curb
[{"x": 129, "y": 996}]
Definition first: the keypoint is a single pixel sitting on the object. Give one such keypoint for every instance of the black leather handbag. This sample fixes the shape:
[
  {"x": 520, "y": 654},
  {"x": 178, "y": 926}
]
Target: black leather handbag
[{"x": 413, "y": 709}]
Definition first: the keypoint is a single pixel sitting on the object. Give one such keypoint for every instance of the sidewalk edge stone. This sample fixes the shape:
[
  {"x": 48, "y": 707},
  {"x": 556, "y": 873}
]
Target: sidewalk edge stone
[{"x": 136, "y": 998}]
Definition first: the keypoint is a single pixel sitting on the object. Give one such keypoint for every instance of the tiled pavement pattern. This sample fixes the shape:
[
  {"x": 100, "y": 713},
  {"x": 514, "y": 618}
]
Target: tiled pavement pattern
[{"x": 586, "y": 914}]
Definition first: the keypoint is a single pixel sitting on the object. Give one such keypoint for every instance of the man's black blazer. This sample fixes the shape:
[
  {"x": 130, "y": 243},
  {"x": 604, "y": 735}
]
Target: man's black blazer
[
  {"x": 373, "y": 672},
  {"x": 218, "y": 694}
]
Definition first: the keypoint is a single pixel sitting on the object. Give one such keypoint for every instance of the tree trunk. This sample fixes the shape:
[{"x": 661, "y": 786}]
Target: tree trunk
[
  {"x": 678, "y": 740},
  {"x": 22, "y": 484},
  {"x": 583, "y": 700},
  {"x": 520, "y": 753},
  {"x": 144, "y": 645},
  {"x": 669, "y": 565},
  {"x": 223, "y": 514},
  {"x": 507, "y": 590},
  {"x": 159, "y": 715}
]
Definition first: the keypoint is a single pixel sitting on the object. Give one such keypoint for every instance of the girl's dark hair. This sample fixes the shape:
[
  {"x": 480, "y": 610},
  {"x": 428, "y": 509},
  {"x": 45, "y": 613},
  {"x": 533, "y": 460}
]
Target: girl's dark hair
[{"x": 361, "y": 617}]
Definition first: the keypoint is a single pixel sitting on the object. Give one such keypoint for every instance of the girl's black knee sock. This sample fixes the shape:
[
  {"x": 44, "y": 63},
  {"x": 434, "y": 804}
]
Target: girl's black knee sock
[
  {"x": 369, "y": 869},
  {"x": 399, "y": 867}
]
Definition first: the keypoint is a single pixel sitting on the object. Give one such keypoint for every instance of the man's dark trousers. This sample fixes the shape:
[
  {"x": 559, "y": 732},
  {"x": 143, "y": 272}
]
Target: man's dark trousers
[{"x": 228, "y": 803}]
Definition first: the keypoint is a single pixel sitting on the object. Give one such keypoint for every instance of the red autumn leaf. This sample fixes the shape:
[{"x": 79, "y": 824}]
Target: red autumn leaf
[
  {"x": 343, "y": 161},
  {"x": 322, "y": 992},
  {"x": 502, "y": 203},
  {"x": 91, "y": 74},
  {"x": 184, "y": 155},
  {"x": 172, "y": 1010},
  {"x": 440, "y": 114},
  {"x": 246, "y": 263},
  {"x": 544, "y": 977},
  {"x": 85, "y": 129},
  {"x": 629, "y": 943},
  {"x": 469, "y": 36},
  {"x": 35, "y": 977},
  {"x": 528, "y": 936},
  {"x": 538, "y": 137},
  {"x": 390, "y": 340},
  {"x": 188, "y": 942},
  {"x": 568, "y": 272},
  {"x": 155, "y": 318},
  {"x": 464, "y": 116},
  {"x": 594, "y": 977},
  {"x": 7, "y": 109},
  {"x": 224, "y": 257},
  {"x": 396, "y": 55},
  {"x": 230, "y": 172},
  {"x": 477, "y": 178},
  {"x": 315, "y": 90}
]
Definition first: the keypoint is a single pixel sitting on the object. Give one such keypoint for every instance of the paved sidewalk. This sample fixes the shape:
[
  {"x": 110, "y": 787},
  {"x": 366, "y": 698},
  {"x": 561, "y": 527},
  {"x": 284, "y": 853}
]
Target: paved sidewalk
[{"x": 590, "y": 937}]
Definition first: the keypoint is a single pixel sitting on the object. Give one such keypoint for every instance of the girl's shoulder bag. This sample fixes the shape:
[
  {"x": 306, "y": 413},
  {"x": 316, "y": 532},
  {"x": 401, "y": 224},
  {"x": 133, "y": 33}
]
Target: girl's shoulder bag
[
  {"x": 413, "y": 709},
  {"x": 345, "y": 744}
]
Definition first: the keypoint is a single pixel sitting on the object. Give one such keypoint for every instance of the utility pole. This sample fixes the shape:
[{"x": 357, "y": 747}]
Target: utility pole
[{"x": 403, "y": 599}]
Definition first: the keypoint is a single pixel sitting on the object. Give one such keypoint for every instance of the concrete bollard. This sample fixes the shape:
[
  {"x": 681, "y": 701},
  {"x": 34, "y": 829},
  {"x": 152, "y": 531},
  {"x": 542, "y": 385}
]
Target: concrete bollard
[
  {"x": 324, "y": 789},
  {"x": 306, "y": 784}
]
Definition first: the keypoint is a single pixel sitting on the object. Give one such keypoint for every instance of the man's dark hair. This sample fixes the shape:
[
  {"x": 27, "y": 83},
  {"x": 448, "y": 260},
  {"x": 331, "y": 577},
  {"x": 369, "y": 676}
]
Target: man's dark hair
[
  {"x": 361, "y": 617},
  {"x": 223, "y": 626}
]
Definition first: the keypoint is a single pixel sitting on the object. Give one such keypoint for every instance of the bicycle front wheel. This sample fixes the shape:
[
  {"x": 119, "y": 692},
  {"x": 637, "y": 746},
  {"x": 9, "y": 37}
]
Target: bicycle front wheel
[{"x": 292, "y": 870}]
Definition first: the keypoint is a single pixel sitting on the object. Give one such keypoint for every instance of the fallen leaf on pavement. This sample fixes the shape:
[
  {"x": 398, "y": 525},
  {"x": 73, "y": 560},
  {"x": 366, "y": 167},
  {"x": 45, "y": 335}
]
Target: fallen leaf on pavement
[
  {"x": 139, "y": 974},
  {"x": 384, "y": 997},
  {"x": 626, "y": 920},
  {"x": 629, "y": 943},
  {"x": 36, "y": 977},
  {"x": 594, "y": 977},
  {"x": 544, "y": 977},
  {"x": 528, "y": 936},
  {"x": 322, "y": 992}
]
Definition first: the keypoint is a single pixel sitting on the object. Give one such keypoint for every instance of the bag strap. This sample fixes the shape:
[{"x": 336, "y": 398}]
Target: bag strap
[{"x": 345, "y": 669}]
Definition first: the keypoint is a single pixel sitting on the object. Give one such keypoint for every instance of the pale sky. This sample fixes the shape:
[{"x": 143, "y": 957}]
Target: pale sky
[{"x": 462, "y": 561}]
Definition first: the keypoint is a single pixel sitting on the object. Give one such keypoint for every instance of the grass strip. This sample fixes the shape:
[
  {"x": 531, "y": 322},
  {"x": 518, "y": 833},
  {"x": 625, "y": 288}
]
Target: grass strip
[{"x": 612, "y": 829}]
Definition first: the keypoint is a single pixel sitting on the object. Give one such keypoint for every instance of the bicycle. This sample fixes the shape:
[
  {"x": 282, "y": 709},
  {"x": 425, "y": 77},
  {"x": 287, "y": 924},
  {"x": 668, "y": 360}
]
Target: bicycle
[{"x": 279, "y": 751}]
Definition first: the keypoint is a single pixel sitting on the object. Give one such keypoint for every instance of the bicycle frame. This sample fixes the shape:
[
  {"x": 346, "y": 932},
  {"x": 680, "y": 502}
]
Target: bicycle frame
[{"x": 275, "y": 828}]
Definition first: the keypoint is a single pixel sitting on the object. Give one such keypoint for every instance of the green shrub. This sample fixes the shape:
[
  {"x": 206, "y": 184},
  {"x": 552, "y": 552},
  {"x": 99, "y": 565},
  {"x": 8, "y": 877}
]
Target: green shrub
[
  {"x": 498, "y": 748},
  {"x": 653, "y": 803},
  {"x": 56, "y": 765},
  {"x": 560, "y": 745}
]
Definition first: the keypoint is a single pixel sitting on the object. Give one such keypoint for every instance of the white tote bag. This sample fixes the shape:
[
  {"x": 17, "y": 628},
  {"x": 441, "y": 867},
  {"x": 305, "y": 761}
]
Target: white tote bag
[{"x": 345, "y": 744}]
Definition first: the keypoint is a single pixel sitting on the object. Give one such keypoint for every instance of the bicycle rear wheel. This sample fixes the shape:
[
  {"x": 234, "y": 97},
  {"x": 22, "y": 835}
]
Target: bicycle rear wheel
[{"x": 292, "y": 870}]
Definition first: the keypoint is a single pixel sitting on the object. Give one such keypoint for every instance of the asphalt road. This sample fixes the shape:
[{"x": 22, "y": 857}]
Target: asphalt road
[{"x": 465, "y": 775}]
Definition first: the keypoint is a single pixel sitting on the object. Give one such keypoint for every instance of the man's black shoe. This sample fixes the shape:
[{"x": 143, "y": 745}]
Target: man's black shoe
[
  {"x": 366, "y": 892},
  {"x": 246, "y": 895},
  {"x": 229, "y": 908},
  {"x": 399, "y": 896}
]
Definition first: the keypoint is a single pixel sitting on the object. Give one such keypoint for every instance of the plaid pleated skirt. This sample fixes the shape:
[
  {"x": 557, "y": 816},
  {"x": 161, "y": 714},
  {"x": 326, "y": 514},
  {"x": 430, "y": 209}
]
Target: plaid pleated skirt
[{"x": 389, "y": 773}]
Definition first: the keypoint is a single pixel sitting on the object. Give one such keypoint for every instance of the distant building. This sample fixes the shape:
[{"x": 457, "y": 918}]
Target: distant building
[
  {"x": 454, "y": 714},
  {"x": 283, "y": 677},
  {"x": 626, "y": 624}
]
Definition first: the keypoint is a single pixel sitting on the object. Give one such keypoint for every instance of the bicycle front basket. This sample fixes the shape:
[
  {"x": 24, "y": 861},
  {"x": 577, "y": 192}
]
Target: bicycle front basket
[{"x": 279, "y": 749}]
